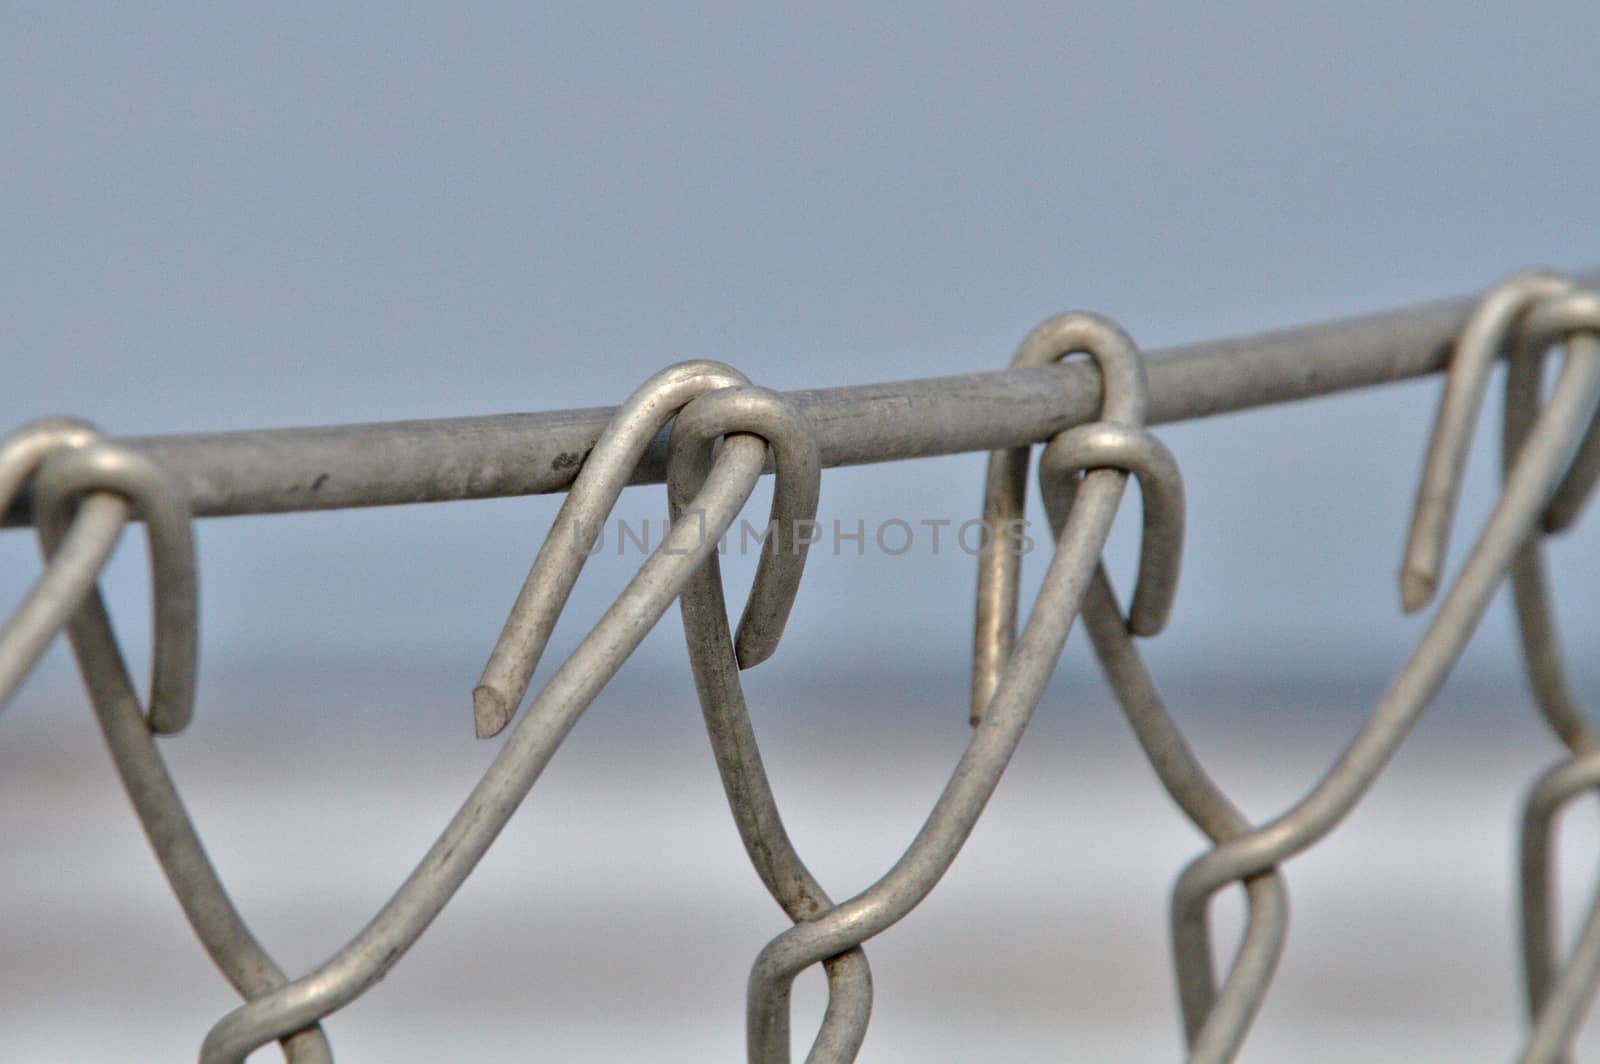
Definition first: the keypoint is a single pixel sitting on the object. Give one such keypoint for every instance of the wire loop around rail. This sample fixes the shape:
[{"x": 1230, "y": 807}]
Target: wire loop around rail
[
  {"x": 1123, "y": 399},
  {"x": 75, "y": 566}
]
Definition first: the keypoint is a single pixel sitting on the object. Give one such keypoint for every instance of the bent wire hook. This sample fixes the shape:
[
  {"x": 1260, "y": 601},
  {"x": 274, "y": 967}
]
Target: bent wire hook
[
  {"x": 114, "y": 479},
  {"x": 606, "y": 471},
  {"x": 1132, "y": 449},
  {"x": 1021, "y": 684},
  {"x": 550, "y": 717},
  {"x": 1557, "y": 998},
  {"x": 1005, "y": 491},
  {"x": 764, "y": 416},
  {"x": 76, "y": 563},
  {"x": 1570, "y": 319},
  {"x": 1472, "y": 359},
  {"x": 1533, "y": 479},
  {"x": 105, "y": 480}
]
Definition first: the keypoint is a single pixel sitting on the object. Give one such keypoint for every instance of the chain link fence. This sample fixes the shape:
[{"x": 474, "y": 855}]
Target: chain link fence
[{"x": 709, "y": 434}]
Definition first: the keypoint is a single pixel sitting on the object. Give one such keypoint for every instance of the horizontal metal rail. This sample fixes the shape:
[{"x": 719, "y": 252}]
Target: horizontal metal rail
[{"x": 390, "y": 463}]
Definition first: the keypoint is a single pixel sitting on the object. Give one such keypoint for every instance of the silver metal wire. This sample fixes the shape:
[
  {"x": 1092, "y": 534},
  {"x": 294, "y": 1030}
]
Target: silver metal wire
[
  {"x": 76, "y": 564},
  {"x": 1019, "y": 687},
  {"x": 82, "y": 490},
  {"x": 1214, "y": 1025},
  {"x": 124, "y": 479},
  {"x": 1124, "y": 398},
  {"x": 1530, "y": 312},
  {"x": 555, "y": 570},
  {"x": 716, "y": 666},
  {"x": 1480, "y": 343},
  {"x": 956, "y": 812},
  {"x": 1558, "y": 995},
  {"x": 1113, "y": 446},
  {"x": 105, "y": 481},
  {"x": 530, "y": 745},
  {"x": 1533, "y": 479},
  {"x": 450, "y": 459}
]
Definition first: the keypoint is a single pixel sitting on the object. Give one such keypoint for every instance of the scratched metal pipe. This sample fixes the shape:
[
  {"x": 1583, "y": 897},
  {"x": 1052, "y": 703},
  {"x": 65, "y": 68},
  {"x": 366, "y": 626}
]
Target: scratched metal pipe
[{"x": 341, "y": 466}]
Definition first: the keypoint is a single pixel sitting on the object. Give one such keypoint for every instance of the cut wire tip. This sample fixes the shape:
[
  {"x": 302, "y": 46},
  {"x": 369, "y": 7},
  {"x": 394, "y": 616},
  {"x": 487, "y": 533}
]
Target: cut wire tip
[
  {"x": 1417, "y": 588},
  {"x": 491, "y": 711},
  {"x": 1562, "y": 514},
  {"x": 751, "y": 648}
]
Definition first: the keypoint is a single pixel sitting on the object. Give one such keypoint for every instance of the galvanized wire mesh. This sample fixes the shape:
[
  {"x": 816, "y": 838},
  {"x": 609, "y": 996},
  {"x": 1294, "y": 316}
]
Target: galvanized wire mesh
[{"x": 709, "y": 433}]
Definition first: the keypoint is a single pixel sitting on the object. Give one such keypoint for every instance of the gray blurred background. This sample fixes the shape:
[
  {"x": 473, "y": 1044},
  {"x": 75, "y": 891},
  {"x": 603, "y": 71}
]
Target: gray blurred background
[{"x": 223, "y": 219}]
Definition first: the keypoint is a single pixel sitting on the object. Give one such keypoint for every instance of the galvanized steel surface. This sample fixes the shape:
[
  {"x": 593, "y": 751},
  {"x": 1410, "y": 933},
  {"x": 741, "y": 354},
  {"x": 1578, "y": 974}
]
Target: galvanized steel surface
[
  {"x": 339, "y": 466},
  {"x": 83, "y": 489}
]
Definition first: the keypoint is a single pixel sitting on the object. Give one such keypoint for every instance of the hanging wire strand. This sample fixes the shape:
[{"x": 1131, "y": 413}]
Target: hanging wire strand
[
  {"x": 1231, "y": 1012},
  {"x": 957, "y": 810},
  {"x": 1558, "y": 995},
  {"x": 1530, "y": 587},
  {"x": 766, "y": 416},
  {"x": 104, "y": 482},
  {"x": 1114, "y": 445},
  {"x": 1136, "y": 451},
  {"x": 1020, "y": 686}
]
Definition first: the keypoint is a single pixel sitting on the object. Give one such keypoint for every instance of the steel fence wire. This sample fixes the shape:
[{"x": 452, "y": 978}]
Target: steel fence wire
[{"x": 709, "y": 433}]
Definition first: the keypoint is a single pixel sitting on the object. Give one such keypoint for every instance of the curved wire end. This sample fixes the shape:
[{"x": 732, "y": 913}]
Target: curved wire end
[
  {"x": 1485, "y": 332},
  {"x": 1573, "y": 496},
  {"x": 1558, "y": 989},
  {"x": 27, "y": 633},
  {"x": 775, "y": 421},
  {"x": 491, "y": 711},
  {"x": 1562, "y": 515},
  {"x": 982, "y": 693},
  {"x": 105, "y": 467},
  {"x": 1130, "y": 449},
  {"x": 766, "y": 612},
  {"x": 1556, "y": 320}
]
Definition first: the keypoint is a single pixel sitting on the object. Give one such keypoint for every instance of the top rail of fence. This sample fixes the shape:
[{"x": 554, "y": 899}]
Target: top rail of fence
[{"x": 391, "y": 463}]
